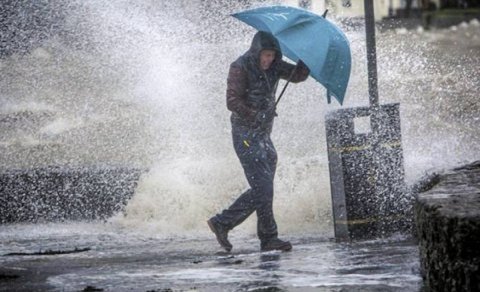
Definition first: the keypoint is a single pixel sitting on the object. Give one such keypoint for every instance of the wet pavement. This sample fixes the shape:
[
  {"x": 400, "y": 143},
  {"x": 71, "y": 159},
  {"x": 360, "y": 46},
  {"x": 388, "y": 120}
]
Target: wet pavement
[{"x": 125, "y": 261}]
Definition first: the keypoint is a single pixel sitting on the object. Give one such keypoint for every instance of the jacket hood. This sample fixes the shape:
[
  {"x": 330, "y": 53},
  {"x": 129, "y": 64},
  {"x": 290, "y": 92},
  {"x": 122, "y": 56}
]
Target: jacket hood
[{"x": 264, "y": 41}]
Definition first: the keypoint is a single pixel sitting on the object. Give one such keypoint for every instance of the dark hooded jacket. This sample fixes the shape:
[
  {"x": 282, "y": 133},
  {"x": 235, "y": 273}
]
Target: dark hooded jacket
[{"x": 251, "y": 90}]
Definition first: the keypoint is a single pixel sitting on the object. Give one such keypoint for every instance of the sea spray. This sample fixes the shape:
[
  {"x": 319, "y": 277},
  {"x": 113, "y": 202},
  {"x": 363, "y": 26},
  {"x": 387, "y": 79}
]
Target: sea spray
[{"x": 143, "y": 84}]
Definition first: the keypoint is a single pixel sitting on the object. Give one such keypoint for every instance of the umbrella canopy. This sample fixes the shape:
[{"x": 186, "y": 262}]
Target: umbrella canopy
[{"x": 306, "y": 36}]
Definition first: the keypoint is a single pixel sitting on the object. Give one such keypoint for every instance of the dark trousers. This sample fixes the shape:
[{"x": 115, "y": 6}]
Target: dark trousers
[{"x": 259, "y": 159}]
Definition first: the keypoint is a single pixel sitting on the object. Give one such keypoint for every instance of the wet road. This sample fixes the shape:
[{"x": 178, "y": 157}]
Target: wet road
[{"x": 126, "y": 261}]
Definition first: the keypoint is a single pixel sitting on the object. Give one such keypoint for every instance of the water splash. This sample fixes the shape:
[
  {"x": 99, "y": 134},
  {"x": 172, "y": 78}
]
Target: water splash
[{"x": 143, "y": 84}]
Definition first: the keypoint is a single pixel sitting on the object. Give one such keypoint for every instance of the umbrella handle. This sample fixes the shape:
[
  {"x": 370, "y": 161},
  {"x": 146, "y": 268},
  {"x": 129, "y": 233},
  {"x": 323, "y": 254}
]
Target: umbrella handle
[{"x": 286, "y": 84}]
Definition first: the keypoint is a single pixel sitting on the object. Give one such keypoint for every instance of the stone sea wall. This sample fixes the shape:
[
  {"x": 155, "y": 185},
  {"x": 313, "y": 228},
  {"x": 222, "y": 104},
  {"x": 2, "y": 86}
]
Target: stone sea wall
[
  {"x": 448, "y": 230},
  {"x": 65, "y": 193}
]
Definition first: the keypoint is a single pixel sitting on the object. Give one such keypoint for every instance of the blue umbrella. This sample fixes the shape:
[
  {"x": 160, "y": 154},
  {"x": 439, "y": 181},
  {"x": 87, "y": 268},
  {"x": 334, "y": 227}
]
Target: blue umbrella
[{"x": 306, "y": 36}]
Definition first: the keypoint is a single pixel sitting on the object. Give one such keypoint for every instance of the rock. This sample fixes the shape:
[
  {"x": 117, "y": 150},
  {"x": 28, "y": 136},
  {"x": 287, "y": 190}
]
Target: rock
[{"x": 448, "y": 230}]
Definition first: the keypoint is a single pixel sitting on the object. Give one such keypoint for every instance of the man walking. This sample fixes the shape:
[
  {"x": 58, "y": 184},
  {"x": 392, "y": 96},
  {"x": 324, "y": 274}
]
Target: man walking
[{"x": 251, "y": 86}]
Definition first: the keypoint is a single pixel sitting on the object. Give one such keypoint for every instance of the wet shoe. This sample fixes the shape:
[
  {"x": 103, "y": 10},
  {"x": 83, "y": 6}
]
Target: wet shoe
[
  {"x": 221, "y": 233},
  {"x": 276, "y": 244}
]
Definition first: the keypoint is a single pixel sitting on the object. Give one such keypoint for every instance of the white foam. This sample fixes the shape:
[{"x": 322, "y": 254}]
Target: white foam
[
  {"x": 463, "y": 25},
  {"x": 60, "y": 125},
  {"x": 33, "y": 106},
  {"x": 401, "y": 31},
  {"x": 41, "y": 53}
]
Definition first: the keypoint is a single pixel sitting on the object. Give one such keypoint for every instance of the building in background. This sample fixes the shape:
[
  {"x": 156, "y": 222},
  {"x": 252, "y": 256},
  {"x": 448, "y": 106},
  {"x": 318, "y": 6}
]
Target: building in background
[
  {"x": 383, "y": 8},
  {"x": 440, "y": 13},
  {"x": 354, "y": 8}
]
